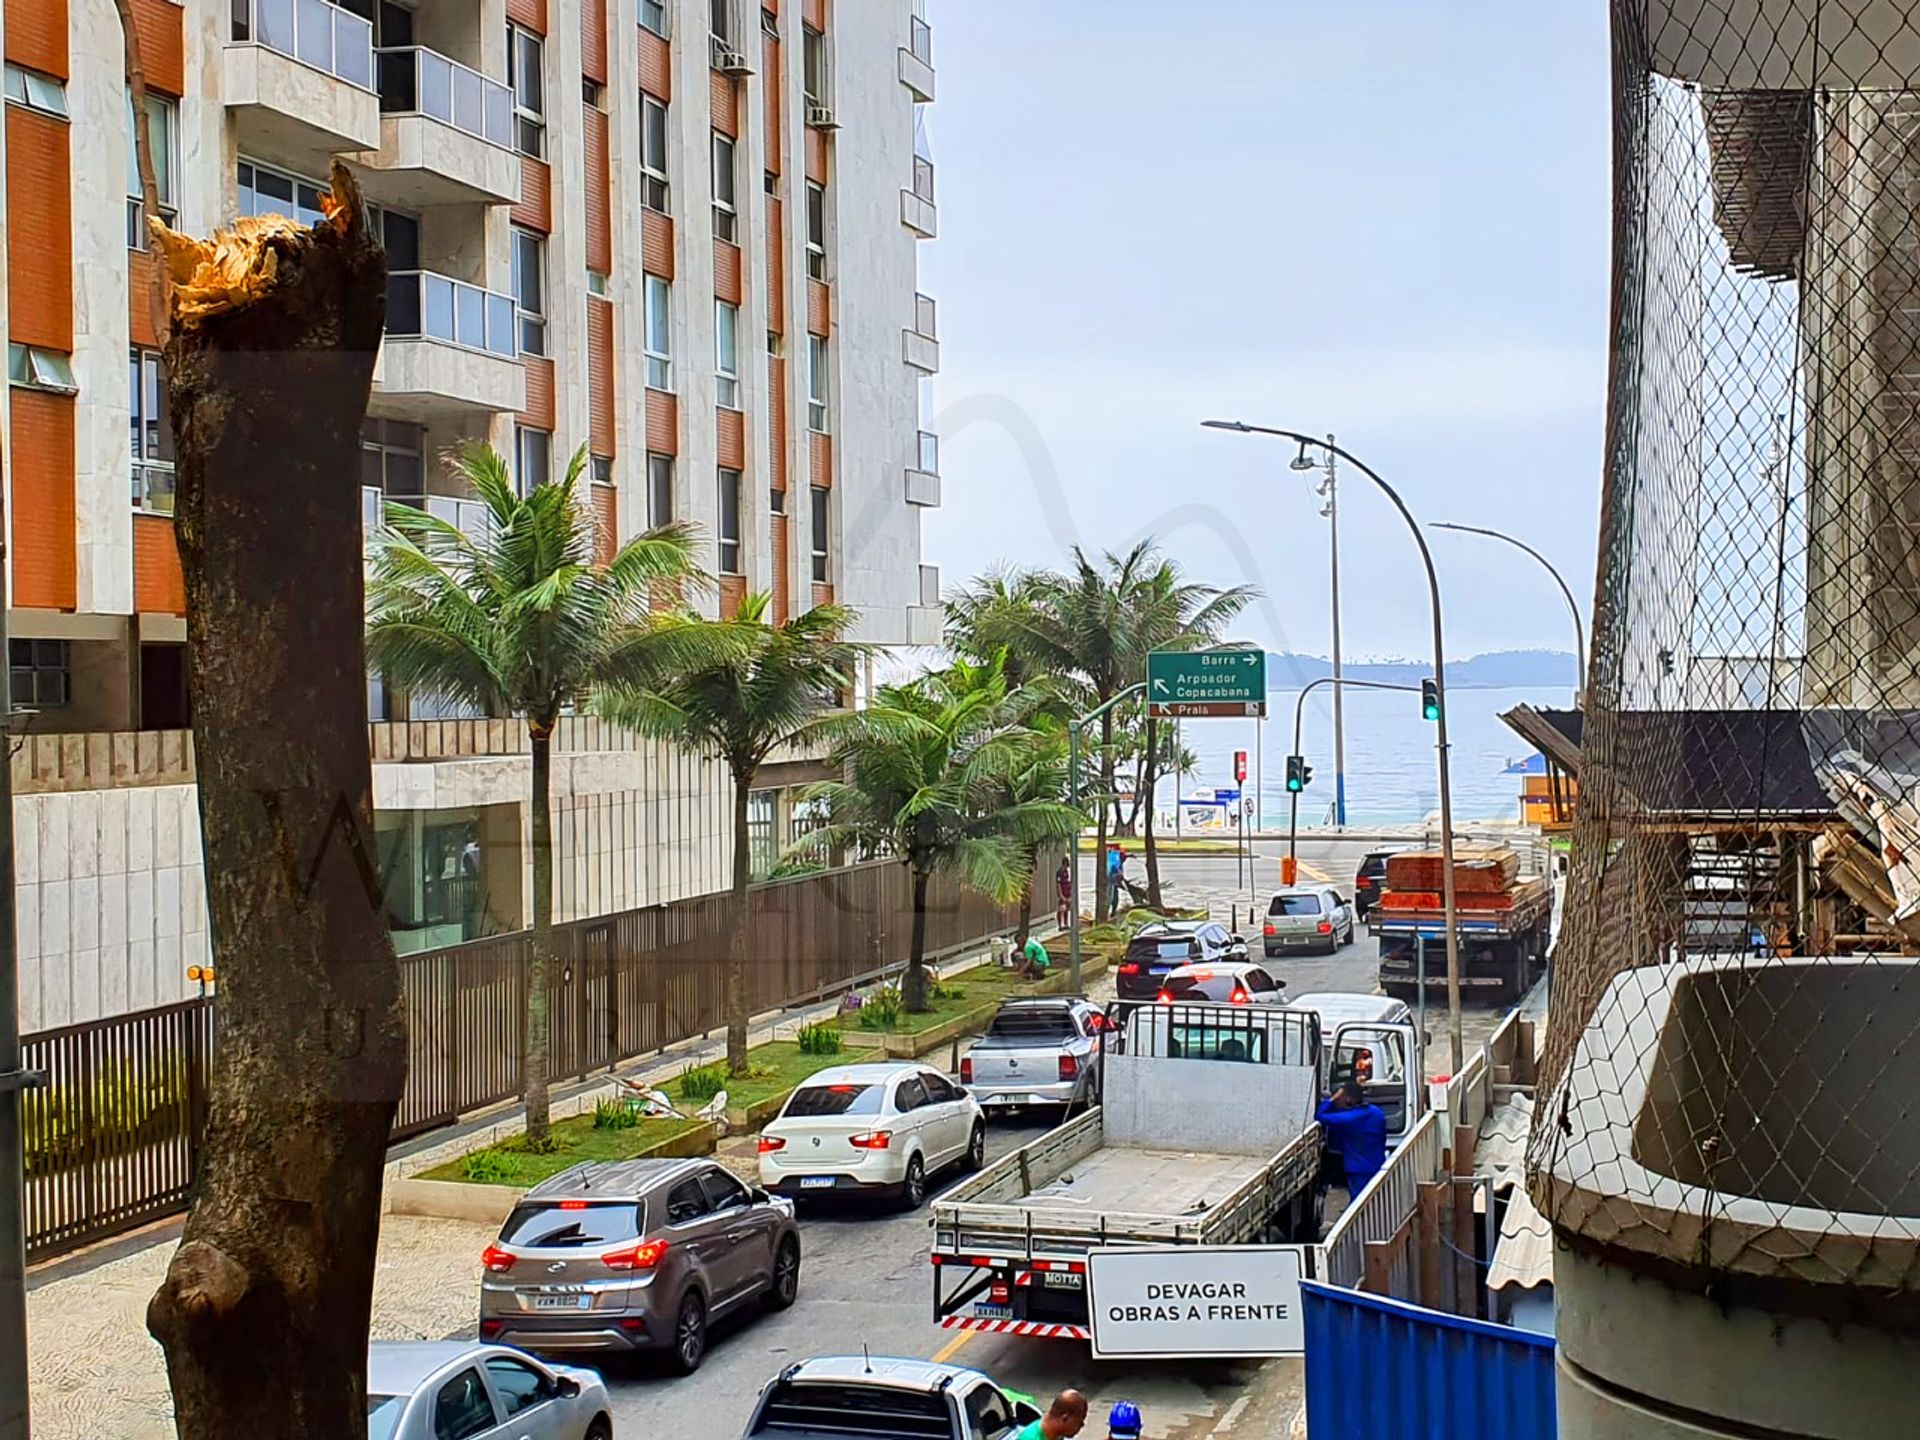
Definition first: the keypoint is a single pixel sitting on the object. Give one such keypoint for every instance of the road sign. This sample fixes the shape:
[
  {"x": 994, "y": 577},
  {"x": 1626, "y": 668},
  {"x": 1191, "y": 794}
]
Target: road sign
[
  {"x": 1225, "y": 796},
  {"x": 1240, "y": 765},
  {"x": 1198, "y": 684},
  {"x": 1188, "y": 1300}
]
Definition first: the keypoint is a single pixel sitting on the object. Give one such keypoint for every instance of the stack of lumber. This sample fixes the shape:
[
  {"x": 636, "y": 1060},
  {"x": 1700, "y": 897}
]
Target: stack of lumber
[{"x": 1485, "y": 877}]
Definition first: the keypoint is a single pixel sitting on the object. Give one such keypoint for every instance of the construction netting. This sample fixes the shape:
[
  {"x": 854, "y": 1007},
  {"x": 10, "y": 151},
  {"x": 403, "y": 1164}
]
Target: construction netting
[{"x": 1735, "y": 1019}]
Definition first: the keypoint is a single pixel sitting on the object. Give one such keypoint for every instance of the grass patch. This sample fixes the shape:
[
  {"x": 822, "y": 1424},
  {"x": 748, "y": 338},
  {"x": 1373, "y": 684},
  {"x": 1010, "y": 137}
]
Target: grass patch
[
  {"x": 574, "y": 1140},
  {"x": 776, "y": 1068},
  {"x": 950, "y": 998}
]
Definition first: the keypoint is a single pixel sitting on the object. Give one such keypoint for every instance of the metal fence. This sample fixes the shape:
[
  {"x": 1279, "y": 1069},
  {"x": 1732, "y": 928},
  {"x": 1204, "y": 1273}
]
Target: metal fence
[
  {"x": 1378, "y": 1212},
  {"x": 113, "y": 1139}
]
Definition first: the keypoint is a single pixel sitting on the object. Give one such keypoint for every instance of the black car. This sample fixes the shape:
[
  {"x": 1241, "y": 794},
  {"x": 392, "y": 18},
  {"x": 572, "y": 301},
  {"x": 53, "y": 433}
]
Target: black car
[
  {"x": 1163, "y": 946},
  {"x": 1370, "y": 881}
]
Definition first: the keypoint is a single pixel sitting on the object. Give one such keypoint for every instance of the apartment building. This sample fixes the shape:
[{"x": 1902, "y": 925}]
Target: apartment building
[{"x": 680, "y": 233}]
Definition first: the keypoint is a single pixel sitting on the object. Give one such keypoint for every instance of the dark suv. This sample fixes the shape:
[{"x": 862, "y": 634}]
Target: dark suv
[
  {"x": 1163, "y": 946},
  {"x": 636, "y": 1255},
  {"x": 1370, "y": 881}
]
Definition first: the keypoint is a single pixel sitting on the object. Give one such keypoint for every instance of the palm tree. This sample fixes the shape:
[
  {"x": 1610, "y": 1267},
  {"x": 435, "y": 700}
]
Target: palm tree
[
  {"x": 1039, "y": 775},
  {"x": 765, "y": 686},
  {"x": 519, "y": 620},
  {"x": 930, "y": 770}
]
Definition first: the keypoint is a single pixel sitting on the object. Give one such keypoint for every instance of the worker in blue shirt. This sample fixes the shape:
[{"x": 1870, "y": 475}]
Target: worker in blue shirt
[{"x": 1358, "y": 1130}]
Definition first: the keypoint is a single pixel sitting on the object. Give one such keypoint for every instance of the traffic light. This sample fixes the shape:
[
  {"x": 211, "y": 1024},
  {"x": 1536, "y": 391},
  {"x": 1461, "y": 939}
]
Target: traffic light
[
  {"x": 1298, "y": 773},
  {"x": 1429, "y": 699}
]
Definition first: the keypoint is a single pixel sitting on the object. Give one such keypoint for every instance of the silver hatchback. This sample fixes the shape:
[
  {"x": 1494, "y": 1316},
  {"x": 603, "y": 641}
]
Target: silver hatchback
[{"x": 637, "y": 1255}]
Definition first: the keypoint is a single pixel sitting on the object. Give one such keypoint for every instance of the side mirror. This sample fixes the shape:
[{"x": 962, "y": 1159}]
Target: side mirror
[
  {"x": 566, "y": 1387},
  {"x": 760, "y": 1197}
]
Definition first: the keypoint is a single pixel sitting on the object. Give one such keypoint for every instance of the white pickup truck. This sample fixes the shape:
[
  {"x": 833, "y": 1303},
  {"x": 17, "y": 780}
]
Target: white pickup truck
[{"x": 1205, "y": 1136}]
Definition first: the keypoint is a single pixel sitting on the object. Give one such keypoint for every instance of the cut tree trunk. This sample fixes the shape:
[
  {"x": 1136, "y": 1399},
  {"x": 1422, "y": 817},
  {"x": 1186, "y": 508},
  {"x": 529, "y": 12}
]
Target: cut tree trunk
[
  {"x": 913, "y": 986},
  {"x": 541, "y": 961},
  {"x": 1149, "y": 781},
  {"x": 739, "y": 1005},
  {"x": 265, "y": 1307}
]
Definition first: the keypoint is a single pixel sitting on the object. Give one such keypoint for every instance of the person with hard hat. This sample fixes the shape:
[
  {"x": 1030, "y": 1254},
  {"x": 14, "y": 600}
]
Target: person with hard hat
[{"x": 1123, "y": 1421}]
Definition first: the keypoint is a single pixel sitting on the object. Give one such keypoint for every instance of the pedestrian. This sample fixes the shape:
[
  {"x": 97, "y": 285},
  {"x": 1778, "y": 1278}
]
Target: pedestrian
[
  {"x": 1033, "y": 962},
  {"x": 1063, "y": 894},
  {"x": 1116, "y": 871},
  {"x": 1359, "y": 1130},
  {"x": 1123, "y": 1421},
  {"x": 1065, "y": 1417}
]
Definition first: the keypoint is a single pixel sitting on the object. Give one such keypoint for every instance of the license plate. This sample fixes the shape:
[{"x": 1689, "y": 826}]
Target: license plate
[
  {"x": 563, "y": 1302},
  {"x": 1011, "y": 1100},
  {"x": 1059, "y": 1280},
  {"x": 993, "y": 1312},
  {"x": 817, "y": 1182}
]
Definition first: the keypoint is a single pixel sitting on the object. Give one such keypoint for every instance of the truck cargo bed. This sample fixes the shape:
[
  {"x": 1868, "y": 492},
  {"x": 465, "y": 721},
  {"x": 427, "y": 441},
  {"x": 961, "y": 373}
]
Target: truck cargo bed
[{"x": 1175, "y": 1184}]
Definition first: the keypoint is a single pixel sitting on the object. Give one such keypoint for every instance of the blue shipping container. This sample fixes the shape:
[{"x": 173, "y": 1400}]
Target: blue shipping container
[{"x": 1380, "y": 1369}]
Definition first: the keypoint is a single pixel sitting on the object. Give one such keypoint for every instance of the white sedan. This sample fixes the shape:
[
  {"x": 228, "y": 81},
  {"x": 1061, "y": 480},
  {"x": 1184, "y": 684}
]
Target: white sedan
[
  {"x": 865, "y": 1128},
  {"x": 1225, "y": 982},
  {"x": 456, "y": 1390}
]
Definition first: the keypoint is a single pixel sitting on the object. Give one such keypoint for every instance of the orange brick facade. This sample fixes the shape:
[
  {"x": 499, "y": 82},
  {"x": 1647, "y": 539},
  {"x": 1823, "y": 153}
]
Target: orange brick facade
[{"x": 44, "y": 553}]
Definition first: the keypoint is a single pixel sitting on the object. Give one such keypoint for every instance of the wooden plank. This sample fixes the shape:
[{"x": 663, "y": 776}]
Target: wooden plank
[
  {"x": 1427, "y": 1264},
  {"x": 1468, "y": 1293}
]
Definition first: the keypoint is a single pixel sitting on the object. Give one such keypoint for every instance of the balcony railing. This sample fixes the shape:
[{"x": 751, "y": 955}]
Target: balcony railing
[
  {"x": 923, "y": 178},
  {"x": 423, "y": 305},
  {"x": 418, "y": 81},
  {"x": 313, "y": 32},
  {"x": 153, "y": 482},
  {"x": 926, "y": 315},
  {"x": 922, "y": 41},
  {"x": 471, "y": 518},
  {"x": 929, "y": 453}
]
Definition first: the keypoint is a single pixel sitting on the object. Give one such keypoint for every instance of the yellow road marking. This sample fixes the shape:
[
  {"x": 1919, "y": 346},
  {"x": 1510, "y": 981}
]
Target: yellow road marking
[
  {"x": 953, "y": 1346},
  {"x": 1314, "y": 872}
]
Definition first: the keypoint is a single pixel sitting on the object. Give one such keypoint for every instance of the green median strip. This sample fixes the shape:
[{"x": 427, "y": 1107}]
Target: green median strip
[{"x": 575, "y": 1141}]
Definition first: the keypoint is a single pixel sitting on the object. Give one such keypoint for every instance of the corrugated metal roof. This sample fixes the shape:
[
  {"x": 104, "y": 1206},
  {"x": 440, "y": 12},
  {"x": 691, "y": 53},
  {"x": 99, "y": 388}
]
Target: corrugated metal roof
[
  {"x": 1523, "y": 1257},
  {"x": 1501, "y": 1150}
]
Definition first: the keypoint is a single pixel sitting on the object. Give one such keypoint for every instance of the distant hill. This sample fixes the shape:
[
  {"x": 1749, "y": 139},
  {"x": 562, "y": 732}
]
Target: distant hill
[{"x": 1499, "y": 669}]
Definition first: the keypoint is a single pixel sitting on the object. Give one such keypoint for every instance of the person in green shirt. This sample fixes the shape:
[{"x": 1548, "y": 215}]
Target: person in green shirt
[
  {"x": 1063, "y": 1420},
  {"x": 1032, "y": 962}
]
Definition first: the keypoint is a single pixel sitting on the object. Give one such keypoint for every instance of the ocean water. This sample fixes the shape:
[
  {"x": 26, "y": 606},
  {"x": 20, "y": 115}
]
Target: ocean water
[{"x": 1391, "y": 766}]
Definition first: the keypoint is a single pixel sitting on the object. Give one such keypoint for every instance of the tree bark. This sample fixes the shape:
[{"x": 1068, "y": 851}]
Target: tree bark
[
  {"x": 1149, "y": 778},
  {"x": 1101, "y": 889},
  {"x": 739, "y": 1004},
  {"x": 265, "y": 1307},
  {"x": 1025, "y": 927},
  {"x": 540, "y": 963},
  {"x": 913, "y": 986}
]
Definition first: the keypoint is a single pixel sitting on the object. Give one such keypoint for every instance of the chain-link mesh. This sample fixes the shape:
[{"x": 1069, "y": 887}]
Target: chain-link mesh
[{"x": 1735, "y": 1025}]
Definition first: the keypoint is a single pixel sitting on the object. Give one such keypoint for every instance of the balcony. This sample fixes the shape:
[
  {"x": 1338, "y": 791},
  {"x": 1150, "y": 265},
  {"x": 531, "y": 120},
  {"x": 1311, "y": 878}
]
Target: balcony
[
  {"x": 923, "y": 476},
  {"x": 922, "y": 343},
  {"x": 450, "y": 350},
  {"x": 446, "y": 134},
  {"x": 917, "y": 210},
  {"x": 916, "y": 61},
  {"x": 299, "y": 76}
]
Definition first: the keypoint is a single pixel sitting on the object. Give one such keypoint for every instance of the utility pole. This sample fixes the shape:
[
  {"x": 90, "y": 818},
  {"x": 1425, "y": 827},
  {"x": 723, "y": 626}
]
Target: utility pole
[{"x": 13, "y": 1082}]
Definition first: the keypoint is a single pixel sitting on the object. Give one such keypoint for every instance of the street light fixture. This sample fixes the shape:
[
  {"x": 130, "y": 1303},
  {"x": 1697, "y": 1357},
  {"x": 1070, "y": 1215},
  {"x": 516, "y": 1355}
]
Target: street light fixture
[
  {"x": 1441, "y": 747},
  {"x": 1579, "y": 626},
  {"x": 1303, "y": 461}
]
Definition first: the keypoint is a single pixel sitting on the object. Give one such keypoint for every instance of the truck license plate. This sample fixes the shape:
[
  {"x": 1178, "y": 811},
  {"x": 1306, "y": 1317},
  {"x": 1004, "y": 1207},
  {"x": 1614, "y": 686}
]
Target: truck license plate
[
  {"x": 993, "y": 1312},
  {"x": 563, "y": 1302},
  {"x": 816, "y": 1182},
  {"x": 1059, "y": 1280}
]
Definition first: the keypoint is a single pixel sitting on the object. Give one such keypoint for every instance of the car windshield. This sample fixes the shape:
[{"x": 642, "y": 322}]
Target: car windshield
[
  {"x": 1217, "y": 1042},
  {"x": 1294, "y": 905},
  {"x": 572, "y": 1224},
  {"x": 383, "y": 1415},
  {"x": 847, "y": 1409},
  {"x": 1031, "y": 1027},
  {"x": 819, "y": 1101}
]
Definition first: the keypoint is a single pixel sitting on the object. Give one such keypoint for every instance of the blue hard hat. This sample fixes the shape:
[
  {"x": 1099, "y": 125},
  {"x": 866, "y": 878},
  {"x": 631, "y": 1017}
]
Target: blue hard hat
[{"x": 1124, "y": 1422}]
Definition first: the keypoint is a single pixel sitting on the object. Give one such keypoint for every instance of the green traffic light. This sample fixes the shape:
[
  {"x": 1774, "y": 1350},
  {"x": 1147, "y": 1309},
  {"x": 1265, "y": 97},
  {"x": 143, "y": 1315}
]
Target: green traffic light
[{"x": 1429, "y": 700}]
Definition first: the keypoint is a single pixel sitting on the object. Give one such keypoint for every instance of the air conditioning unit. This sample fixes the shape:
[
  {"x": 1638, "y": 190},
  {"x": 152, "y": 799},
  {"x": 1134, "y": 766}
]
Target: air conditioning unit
[
  {"x": 729, "y": 61},
  {"x": 820, "y": 117}
]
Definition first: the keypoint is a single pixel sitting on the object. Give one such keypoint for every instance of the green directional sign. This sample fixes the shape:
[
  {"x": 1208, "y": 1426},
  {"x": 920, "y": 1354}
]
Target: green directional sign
[{"x": 1201, "y": 684}]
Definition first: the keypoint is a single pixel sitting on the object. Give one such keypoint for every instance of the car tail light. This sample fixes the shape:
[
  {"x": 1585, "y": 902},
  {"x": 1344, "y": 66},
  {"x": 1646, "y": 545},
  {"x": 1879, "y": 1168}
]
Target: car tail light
[
  {"x": 1240, "y": 996},
  {"x": 1069, "y": 1068},
  {"x": 966, "y": 1071},
  {"x": 645, "y": 1256},
  {"x": 496, "y": 1260},
  {"x": 1203, "y": 974},
  {"x": 770, "y": 1143},
  {"x": 872, "y": 1140},
  {"x": 491, "y": 1328},
  {"x": 1363, "y": 882},
  {"x": 1165, "y": 997},
  {"x": 573, "y": 1204},
  {"x": 1326, "y": 927},
  {"x": 633, "y": 1324},
  {"x": 1132, "y": 967},
  {"x": 1267, "y": 929}
]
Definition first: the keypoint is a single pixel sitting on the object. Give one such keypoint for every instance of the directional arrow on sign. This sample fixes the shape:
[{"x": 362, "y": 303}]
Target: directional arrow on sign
[{"x": 1160, "y": 687}]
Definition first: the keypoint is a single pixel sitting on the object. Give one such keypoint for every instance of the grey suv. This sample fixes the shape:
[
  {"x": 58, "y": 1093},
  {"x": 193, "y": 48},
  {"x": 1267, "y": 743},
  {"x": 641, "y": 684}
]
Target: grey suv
[{"x": 636, "y": 1255}]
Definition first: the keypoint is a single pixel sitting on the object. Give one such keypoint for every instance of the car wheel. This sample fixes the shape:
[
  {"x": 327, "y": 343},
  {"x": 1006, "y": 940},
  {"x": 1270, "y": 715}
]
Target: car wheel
[
  {"x": 599, "y": 1430},
  {"x": 784, "y": 1288},
  {"x": 913, "y": 1190},
  {"x": 689, "y": 1335},
  {"x": 976, "y": 1147}
]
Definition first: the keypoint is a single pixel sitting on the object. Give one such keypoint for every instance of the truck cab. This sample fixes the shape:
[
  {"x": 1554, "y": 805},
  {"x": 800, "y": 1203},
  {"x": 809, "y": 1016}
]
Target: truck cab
[{"x": 1372, "y": 1039}]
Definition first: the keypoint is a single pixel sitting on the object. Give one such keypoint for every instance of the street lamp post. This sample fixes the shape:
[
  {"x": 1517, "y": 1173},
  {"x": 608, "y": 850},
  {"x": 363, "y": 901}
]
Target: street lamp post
[
  {"x": 1073, "y": 797},
  {"x": 1579, "y": 626},
  {"x": 1306, "y": 443},
  {"x": 1329, "y": 489}
]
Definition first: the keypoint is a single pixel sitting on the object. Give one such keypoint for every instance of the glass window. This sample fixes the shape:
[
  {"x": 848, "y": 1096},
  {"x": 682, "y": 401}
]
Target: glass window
[
  {"x": 659, "y": 491},
  {"x": 726, "y": 360},
  {"x": 265, "y": 191},
  {"x": 819, "y": 528},
  {"x": 762, "y": 808},
  {"x": 730, "y": 522},
  {"x": 150, "y": 434},
  {"x": 36, "y": 91},
  {"x": 161, "y": 121},
  {"x": 653, "y": 153},
  {"x": 530, "y": 290},
  {"x": 723, "y": 1191},
  {"x": 820, "y": 1101},
  {"x": 533, "y": 452},
  {"x": 720, "y": 17},
  {"x": 383, "y": 1415},
  {"x": 40, "y": 677},
  {"x": 653, "y": 15},
  {"x": 659, "y": 334},
  {"x": 817, "y": 383},
  {"x": 519, "y": 1386},
  {"x": 1294, "y": 905},
  {"x": 909, "y": 1094},
  {"x": 686, "y": 1203},
  {"x": 462, "y": 1408},
  {"x": 39, "y": 369},
  {"x": 816, "y": 231},
  {"x": 777, "y": 501},
  {"x": 988, "y": 1413},
  {"x": 569, "y": 1225},
  {"x": 813, "y": 51},
  {"x": 525, "y": 59},
  {"x": 725, "y": 218}
]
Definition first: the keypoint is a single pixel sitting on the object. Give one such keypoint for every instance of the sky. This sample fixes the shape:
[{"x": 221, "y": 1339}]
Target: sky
[{"x": 1385, "y": 219}]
